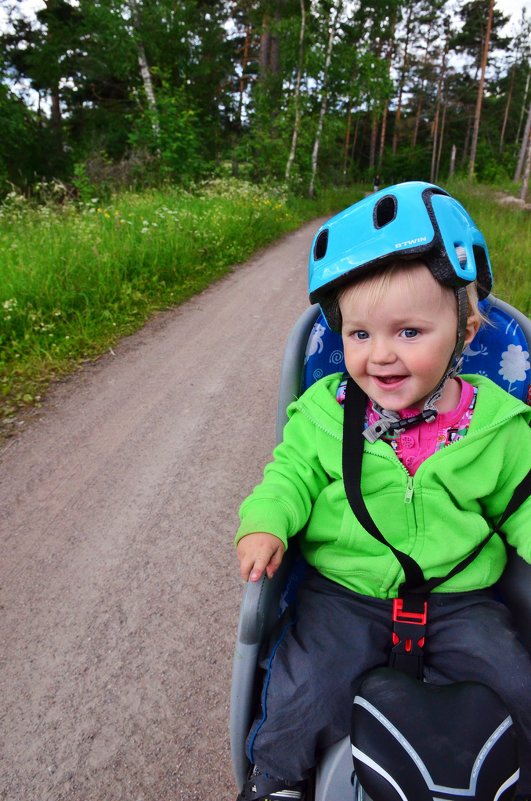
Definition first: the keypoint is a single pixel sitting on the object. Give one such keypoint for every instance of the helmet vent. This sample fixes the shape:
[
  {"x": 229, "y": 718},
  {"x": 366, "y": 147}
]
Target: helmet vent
[
  {"x": 385, "y": 211},
  {"x": 321, "y": 245}
]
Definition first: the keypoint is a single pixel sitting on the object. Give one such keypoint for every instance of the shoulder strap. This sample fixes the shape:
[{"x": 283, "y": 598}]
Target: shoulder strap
[
  {"x": 519, "y": 496},
  {"x": 353, "y": 443}
]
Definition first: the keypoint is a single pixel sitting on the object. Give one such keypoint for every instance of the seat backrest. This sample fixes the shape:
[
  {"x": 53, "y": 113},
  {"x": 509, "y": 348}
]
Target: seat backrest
[{"x": 500, "y": 350}]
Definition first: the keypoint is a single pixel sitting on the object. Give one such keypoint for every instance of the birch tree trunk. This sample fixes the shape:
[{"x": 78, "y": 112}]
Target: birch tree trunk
[
  {"x": 524, "y": 106},
  {"x": 436, "y": 134},
  {"x": 148, "y": 87},
  {"x": 507, "y": 107},
  {"x": 523, "y": 148},
  {"x": 346, "y": 146},
  {"x": 334, "y": 14},
  {"x": 527, "y": 169},
  {"x": 452, "y": 161},
  {"x": 244, "y": 62},
  {"x": 466, "y": 143},
  {"x": 420, "y": 101},
  {"x": 441, "y": 137},
  {"x": 145, "y": 72},
  {"x": 403, "y": 72},
  {"x": 479, "y": 101},
  {"x": 373, "y": 139},
  {"x": 297, "y": 96},
  {"x": 383, "y": 131},
  {"x": 385, "y": 114}
]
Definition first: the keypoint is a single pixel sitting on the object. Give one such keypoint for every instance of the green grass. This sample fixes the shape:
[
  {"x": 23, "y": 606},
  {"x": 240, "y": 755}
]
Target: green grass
[{"x": 74, "y": 280}]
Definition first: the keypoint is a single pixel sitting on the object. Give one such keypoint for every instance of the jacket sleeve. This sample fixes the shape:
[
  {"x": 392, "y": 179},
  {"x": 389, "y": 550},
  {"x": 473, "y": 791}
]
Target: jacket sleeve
[
  {"x": 282, "y": 503},
  {"x": 516, "y": 464}
]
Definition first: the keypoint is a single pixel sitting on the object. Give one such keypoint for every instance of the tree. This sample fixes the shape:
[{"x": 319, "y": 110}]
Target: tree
[
  {"x": 44, "y": 55},
  {"x": 277, "y": 89},
  {"x": 297, "y": 94},
  {"x": 335, "y": 11},
  {"x": 145, "y": 72},
  {"x": 526, "y": 148},
  {"x": 479, "y": 101}
]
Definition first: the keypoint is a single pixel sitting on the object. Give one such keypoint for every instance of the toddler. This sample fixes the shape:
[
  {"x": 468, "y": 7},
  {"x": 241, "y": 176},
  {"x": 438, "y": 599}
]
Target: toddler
[{"x": 399, "y": 275}]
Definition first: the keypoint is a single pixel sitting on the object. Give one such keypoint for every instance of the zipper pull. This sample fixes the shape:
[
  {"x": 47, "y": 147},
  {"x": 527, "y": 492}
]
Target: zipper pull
[{"x": 408, "y": 497}]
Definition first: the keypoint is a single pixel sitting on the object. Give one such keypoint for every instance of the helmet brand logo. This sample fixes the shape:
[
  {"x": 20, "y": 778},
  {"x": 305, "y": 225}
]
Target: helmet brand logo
[{"x": 410, "y": 242}]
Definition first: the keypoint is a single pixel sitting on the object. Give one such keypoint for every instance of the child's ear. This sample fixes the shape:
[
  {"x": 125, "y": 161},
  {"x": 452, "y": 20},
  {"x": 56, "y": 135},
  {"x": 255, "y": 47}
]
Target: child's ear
[{"x": 472, "y": 327}]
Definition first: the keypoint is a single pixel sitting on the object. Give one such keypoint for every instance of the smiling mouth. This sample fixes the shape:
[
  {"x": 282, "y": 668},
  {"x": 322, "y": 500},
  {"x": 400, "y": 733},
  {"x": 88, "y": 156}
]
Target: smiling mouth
[{"x": 389, "y": 380}]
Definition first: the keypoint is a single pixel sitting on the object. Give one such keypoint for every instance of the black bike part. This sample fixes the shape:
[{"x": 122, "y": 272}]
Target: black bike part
[{"x": 422, "y": 741}]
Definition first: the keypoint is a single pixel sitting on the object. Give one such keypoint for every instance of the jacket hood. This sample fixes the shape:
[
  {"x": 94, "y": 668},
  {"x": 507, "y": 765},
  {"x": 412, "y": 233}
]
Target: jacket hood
[
  {"x": 322, "y": 407},
  {"x": 495, "y": 406}
]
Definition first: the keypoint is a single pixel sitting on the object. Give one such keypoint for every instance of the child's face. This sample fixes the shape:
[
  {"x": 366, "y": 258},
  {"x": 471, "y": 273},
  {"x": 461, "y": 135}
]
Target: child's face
[{"x": 398, "y": 342}]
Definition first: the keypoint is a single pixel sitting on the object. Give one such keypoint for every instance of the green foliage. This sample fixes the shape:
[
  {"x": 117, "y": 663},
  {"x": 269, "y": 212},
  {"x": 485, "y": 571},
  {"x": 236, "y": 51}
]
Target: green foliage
[
  {"x": 409, "y": 164},
  {"x": 18, "y": 137},
  {"x": 74, "y": 278},
  {"x": 218, "y": 86},
  {"x": 170, "y": 133}
]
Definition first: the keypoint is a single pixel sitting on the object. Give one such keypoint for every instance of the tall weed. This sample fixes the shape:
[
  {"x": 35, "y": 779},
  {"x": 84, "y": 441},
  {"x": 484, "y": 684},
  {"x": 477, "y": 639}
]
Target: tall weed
[{"x": 74, "y": 278}]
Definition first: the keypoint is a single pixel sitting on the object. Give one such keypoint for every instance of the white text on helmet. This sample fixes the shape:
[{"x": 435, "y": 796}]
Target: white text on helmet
[{"x": 410, "y": 242}]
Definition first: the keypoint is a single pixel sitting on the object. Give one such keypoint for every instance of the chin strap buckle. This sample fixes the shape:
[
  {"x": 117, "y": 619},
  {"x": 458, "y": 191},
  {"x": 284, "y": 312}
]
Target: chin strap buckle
[{"x": 386, "y": 423}]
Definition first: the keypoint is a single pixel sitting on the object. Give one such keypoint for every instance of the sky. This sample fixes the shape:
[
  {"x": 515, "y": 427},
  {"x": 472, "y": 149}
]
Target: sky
[{"x": 510, "y": 7}]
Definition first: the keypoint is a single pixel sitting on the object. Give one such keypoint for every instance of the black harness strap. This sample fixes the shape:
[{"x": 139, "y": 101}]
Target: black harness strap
[
  {"x": 409, "y": 610},
  {"x": 355, "y": 405}
]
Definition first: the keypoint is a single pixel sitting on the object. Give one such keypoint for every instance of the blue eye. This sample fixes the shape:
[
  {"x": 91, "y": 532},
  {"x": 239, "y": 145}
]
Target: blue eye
[
  {"x": 360, "y": 335},
  {"x": 410, "y": 333}
]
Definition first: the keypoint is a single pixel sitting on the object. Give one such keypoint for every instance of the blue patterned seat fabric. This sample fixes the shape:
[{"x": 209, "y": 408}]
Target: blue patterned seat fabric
[{"x": 499, "y": 351}]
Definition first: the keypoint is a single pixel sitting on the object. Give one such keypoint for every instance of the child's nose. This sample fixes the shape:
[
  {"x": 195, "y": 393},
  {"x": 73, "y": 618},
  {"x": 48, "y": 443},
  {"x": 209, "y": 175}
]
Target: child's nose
[{"x": 382, "y": 351}]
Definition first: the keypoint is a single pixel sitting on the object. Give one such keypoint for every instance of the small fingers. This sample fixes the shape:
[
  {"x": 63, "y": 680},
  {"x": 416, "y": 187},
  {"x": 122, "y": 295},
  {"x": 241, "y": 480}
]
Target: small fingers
[{"x": 275, "y": 561}]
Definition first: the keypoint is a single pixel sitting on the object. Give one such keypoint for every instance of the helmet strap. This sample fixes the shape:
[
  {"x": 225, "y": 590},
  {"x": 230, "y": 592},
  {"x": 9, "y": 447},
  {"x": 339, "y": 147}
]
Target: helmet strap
[{"x": 391, "y": 421}]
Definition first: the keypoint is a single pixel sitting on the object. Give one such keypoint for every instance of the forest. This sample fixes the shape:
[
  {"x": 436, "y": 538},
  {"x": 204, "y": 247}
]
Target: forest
[{"x": 131, "y": 94}]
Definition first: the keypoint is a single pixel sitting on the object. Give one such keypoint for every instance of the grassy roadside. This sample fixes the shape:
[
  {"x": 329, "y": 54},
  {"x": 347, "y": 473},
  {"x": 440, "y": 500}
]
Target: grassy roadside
[{"x": 74, "y": 280}]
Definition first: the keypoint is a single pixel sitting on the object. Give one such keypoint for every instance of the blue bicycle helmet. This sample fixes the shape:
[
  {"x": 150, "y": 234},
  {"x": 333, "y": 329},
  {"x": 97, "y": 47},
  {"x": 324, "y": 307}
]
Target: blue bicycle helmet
[
  {"x": 413, "y": 219},
  {"x": 405, "y": 221}
]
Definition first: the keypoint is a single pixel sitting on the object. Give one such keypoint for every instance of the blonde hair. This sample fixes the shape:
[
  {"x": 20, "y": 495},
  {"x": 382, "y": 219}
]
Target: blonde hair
[{"x": 377, "y": 284}]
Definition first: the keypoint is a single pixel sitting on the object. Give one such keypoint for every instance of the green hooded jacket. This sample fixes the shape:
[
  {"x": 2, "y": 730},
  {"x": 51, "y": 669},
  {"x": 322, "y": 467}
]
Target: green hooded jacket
[{"x": 438, "y": 516}]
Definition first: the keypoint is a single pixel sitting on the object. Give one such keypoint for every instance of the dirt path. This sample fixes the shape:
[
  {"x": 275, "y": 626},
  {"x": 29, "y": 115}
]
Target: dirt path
[{"x": 118, "y": 585}]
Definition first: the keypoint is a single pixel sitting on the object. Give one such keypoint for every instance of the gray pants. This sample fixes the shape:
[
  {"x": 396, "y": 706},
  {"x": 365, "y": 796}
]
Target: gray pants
[{"x": 316, "y": 662}]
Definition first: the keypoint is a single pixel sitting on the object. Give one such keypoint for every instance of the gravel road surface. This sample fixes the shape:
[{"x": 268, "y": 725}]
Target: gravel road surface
[{"x": 119, "y": 590}]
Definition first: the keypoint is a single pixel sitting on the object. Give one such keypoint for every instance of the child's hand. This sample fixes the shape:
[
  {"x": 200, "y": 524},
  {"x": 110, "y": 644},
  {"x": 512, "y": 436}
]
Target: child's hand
[{"x": 259, "y": 552}]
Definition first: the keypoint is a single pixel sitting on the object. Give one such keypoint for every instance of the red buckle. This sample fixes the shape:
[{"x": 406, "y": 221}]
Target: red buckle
[
  {"x": 403, "y": 616},
  {"x": 409, "y": 629}
]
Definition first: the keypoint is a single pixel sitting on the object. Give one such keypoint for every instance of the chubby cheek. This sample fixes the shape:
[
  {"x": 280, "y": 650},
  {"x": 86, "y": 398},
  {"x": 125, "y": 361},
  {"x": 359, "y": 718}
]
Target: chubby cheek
[
  {"x": 354, "y": 362},
  {"x": 424, "y": 365}
]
